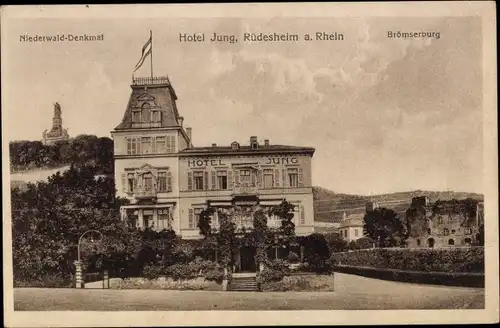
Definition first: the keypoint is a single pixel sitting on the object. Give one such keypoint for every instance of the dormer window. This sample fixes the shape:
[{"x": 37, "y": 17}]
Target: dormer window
[
  {"x": 235, "y": 145},
  {"x": 255, "y": 145},
  {"x": 146, "y": 112}
]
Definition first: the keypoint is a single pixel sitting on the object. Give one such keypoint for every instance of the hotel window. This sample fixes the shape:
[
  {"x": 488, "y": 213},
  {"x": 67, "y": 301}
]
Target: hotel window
[
  {"x": 418, "y": 242},
  {"x": 293, "y": 177},
  {"x": 146, "y": 145},
  {"x": 160, "y": 144},
  {"x": 268, "y": 178},
  {"x": 446, "y": 232},
  {"x": 130, "y": 182},
  {"x": 147, "y": 216},
  {"x": 164, "y": 219},
  {"x": 194, "y": 217},
  {"x": 198, "y": 180},
  {"x": 146, "y": 113},
  {"x": 162, "y": 181},
  {"x": 355, "y": 232},
  {"x": 156, "y": 116},
  {"x": 170, "y": 144},
  {"x": 133, "y": 146},
  {"x": 222, "y": 179},
  {"x": 245, "y": 177},
  {"x": 136, "y": 116},
  {"x": 147, "y": 179}
]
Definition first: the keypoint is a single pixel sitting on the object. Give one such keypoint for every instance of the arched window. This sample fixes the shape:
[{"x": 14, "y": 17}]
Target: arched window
[
  {"x": 468, "y": 241},
  {"x": 146, "y": 113},
  {"x": 418, "y": 242},
  {"x": 446, "y": 232},
  {"x": 451, "y": 242},
  {"x": 430, "y": 242}
]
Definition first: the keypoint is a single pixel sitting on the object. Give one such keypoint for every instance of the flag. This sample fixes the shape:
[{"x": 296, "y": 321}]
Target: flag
[{"x": 146, "y": 51}]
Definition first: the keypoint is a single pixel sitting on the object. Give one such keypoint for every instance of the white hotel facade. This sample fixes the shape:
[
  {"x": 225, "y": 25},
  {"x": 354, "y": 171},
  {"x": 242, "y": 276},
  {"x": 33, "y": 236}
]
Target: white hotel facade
[{"x": 169, "y": 181}]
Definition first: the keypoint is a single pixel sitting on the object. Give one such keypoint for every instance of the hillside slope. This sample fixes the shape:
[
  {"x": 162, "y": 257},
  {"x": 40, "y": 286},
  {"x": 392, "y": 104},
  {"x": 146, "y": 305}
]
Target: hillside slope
[{"x": 329, "y": 206}]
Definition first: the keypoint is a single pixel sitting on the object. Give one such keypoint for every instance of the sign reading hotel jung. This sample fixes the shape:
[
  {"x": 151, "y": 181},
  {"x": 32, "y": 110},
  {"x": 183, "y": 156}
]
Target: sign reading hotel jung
[{"x": 221, "y": 162}]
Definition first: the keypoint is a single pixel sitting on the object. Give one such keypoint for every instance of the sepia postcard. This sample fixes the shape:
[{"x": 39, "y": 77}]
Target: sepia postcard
[{"x": 250, "y": 164}]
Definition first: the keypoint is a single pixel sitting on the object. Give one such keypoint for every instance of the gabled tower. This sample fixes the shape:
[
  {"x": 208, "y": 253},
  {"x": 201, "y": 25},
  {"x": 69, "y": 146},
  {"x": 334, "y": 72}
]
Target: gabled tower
[{"x": 146, "y": 147}]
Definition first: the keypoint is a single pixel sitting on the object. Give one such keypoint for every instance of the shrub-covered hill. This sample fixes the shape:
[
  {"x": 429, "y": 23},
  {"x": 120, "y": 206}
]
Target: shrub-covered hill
[
  {"x": 329, "y": 205},
  {"x": 33, "y": 156}
]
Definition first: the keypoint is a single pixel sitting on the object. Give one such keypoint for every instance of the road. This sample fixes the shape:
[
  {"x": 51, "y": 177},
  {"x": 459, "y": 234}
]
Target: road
[{"x": 351, "y": 293}]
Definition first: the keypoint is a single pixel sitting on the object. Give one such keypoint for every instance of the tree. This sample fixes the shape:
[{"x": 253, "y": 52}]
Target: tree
[
  {"x": 336, "y": 243},
  {"x": 317, "y": 253},
  {"x": 383, "y": 226},
  {"x": 50, "y": 216}
]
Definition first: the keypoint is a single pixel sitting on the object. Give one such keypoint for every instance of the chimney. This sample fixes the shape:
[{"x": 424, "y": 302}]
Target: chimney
[
  {"x": 181, "y": 120},
  {"x": 266, "y": 142},
  {"x": 214, "y": 145},
  {"x": 189, "y": 132}
]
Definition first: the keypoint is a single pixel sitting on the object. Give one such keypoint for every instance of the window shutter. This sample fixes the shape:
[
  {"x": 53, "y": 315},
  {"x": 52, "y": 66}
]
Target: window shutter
[
  {"x": 169, "y": 181},
  {"x": 170, "y": 218},
  {"x": 285, "y": 180},
  {"x": 205, "y": 182},
  {"x": 236, "y": 175},
  {"x": 153, "y": 145},
  {"x": 190, "y": 180},
  {"x": 191, "y": 218},
  {"x": 253, "y": 178},
  {"x": 276, "y": 177},
  {"x": 302, "y": 215},
  {"x": 124, "y": 182},
  {"x": 230, "y": 179},
  {"x": 301, "y": 177},
  {"x": 261, "y": 178},
  {"x": 173, "y": 144},
  {"x": 214, "y": 180}
]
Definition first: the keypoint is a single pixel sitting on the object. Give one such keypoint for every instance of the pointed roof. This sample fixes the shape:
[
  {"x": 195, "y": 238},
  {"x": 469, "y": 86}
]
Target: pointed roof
[{"x": 156, "y": 93}]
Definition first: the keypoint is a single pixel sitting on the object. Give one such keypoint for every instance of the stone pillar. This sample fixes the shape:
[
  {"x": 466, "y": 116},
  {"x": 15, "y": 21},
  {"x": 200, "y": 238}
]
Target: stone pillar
[
  {"x": 225, "y": 280},
  {"x": 78, "y": 275},
  {"x": 140, "y": 218},
  {"x": 105, "y": 280}
]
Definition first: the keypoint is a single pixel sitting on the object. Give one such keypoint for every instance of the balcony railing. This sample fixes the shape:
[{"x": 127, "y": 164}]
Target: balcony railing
[
  {"x": 155, "y": 80},
  {"x": 145, "y": 192},
  {"x": 245, "y": 190},
  {"x": 146, "y": 124}
]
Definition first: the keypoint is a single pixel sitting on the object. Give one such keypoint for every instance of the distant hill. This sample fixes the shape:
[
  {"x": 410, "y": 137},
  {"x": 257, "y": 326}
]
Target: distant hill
[{"x": 329, "y": 206}]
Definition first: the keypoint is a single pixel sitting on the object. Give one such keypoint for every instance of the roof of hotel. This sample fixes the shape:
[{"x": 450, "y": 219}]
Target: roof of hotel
[
  {"x": 244, "y": 149},
  {"x": 159, "y": 94}
]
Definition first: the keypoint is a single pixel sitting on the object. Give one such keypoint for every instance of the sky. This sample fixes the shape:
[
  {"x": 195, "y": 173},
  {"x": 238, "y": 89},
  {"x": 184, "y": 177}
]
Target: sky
[{"x": 384, "y": 115}]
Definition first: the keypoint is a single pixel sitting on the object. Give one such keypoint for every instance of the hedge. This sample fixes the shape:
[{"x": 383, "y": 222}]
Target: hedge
[
  {"x": 470, "y": 259},
  {"x": 464, "y": 279}
]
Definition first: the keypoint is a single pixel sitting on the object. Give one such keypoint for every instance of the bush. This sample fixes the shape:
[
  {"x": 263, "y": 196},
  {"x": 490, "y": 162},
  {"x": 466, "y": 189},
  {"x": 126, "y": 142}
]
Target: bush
[
  {"x": 216, "y": 274},
  {"x": 437, "y": 260},
  {"x": 317, "y": 253},
  {"x": 46, "y": 281},
  {"x": 364, "y": 243},
  {"x": 274, "y": 271},
  {"x": 182, "y": 271},
  {"x": 470, "y": 279},
  {"x": 152, "y": 271},
  {"x": 300, "y": 284},
  {"x": 293, "y": 257}
]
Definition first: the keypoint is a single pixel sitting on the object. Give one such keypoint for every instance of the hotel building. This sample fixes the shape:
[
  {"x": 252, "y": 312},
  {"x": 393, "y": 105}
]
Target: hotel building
[{"x": 169, "y": 181}]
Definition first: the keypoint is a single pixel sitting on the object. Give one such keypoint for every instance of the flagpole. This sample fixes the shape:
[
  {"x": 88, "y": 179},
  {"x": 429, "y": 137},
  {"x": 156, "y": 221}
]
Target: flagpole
[{"x": 151, "y": 36}]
